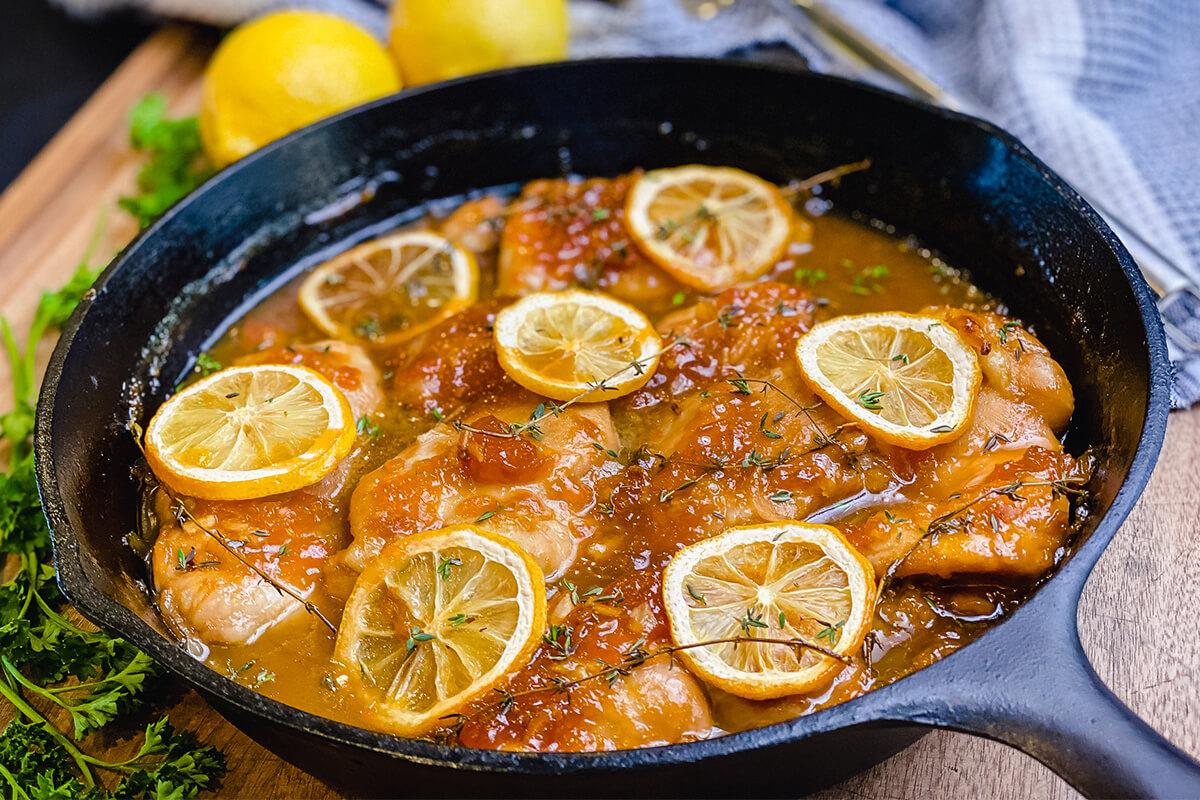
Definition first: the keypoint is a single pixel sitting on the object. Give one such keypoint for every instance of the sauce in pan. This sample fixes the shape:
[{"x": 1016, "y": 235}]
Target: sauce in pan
[{"x": 602, "y": 493}]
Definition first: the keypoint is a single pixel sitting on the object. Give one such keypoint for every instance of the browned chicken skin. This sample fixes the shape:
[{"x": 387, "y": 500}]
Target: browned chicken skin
[
  {"x": 726, "y": 432},
  {"x": 563, "y": 233},
  {"x": 537, "y": 493}
]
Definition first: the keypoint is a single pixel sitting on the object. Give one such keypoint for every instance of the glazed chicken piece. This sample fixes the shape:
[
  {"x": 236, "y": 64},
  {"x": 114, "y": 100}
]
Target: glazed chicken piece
[
  {"x": 347, "y": 366},
  {"x": 737, "y": 459},
  {"x": 208, "y": 594},
  {"x": 985, "y": 529},
  {"x": 476, "y": 224},
  {"x": 750, "y": 330},
  {"x": 1015, "y": 363},
  {"x": 655, "y": 704},
  {"x": 538, "y": 492},
  {"x": 738, "y": 437},
  {"x": 1015, "y": 525},
  {"x": 570, "y": 233},
  {"x": 454, "y": 365}
]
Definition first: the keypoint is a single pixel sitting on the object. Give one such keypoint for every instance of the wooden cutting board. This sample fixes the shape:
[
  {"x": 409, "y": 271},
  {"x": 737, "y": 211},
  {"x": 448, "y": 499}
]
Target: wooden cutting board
[{"x": 1138, "y": 613}]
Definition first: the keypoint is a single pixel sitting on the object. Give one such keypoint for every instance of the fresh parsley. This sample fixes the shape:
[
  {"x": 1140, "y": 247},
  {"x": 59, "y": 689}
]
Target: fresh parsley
[
  {"x": 175, "y": 164},
  {"x": 48, "y": 663}
]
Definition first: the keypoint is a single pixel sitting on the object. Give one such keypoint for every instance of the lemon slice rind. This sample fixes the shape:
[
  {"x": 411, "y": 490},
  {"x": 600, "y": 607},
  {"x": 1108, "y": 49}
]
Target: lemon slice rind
[
  {"x": 175, "y": 458},
  {"x": 893, "y": 373},
  {"x": 707, "y": 595},
  {"x": 614, "y": 335}
]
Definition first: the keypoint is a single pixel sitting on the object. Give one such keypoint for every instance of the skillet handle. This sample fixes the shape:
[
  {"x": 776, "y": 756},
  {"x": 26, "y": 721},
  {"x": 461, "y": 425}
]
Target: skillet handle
[{"x": 1031, "y": 686}]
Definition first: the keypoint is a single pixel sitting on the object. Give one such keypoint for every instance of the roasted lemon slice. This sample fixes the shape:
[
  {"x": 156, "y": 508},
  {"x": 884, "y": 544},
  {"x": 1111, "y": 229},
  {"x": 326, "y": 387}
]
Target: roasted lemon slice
[
  {"x": 565, "y": 344},
  {"x": 437, "y": 619},
  {"x": 248, "y": 432},
  {"x": 710, "y": 227},
  {"x": 909, "y": 380},
  {"x": 389, "y": 290},
  {"x": 784, "y": 581}
]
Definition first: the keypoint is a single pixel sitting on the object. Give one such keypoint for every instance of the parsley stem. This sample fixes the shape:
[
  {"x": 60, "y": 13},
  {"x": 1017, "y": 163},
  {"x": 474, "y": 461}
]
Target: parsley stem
[
  {"x": 12, "y": 781},
  {"x": 13, "y": 696}
]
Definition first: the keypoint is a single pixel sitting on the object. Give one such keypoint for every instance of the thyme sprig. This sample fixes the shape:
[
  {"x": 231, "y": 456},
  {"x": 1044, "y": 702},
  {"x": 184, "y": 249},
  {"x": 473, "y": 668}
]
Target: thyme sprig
[
  {"x": 821, "y": 437},
  {"x": 825, "y": 176},
  {"x": 635, "y": 656},
  {"x": 952, "y": 520},
  {"x": 182, "y": 513}
]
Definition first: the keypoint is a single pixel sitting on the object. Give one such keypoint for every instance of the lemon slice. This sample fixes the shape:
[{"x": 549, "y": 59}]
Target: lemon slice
[
  {"x": 909, "y": 380},
  {"x": 437, "y": 619},
  {"x": 784, "y": 580},
  {"x": 388, "y": 290},
  {"x": 710, "y": 227},
  {"x": 563, "y": 344},
  {"x": 247, "y": 432}
]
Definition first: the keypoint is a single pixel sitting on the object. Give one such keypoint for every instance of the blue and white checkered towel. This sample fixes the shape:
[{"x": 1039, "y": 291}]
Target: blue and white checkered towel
[{"x": 1105, "y": 91}]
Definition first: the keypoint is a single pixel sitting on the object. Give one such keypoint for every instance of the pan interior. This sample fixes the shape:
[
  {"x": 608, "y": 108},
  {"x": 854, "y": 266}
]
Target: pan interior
[{"x": 975, "y": 196}]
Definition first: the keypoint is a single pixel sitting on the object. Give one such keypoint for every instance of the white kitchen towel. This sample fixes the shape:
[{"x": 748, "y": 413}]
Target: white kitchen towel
[{"x": 1105, "y": 91}]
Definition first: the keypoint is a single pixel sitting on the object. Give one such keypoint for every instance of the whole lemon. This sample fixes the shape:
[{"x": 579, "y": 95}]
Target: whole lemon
[
  {"x": 283, "y": 71},
  {"x": 438, "y": 39}
]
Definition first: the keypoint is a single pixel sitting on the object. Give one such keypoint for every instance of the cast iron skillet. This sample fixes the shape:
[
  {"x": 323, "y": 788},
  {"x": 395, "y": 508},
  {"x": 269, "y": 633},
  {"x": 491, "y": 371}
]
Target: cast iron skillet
[{"x": 967, "y": 189}]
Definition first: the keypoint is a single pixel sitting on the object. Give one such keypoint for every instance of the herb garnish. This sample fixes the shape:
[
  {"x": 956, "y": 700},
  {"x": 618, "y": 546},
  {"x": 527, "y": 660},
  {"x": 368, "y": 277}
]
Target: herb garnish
[
  {"x": 831, "y": 633},
  {"x": 50, "y": 661},
  {"x": 810, "y": 277},
  {"x": 485, "y": 516},
  {"x": 558, "y": 640},
  {"x": 870, "y": 399},
  {"x": 445, "y": 564},
  {"x": 367, "y": 328},
  {"x": 753, "y": 618},
  {"x": 866, "y": 280},
  {"x": 764, "y": 430},
  {"x": 366, "y": 427},
  {"x": 207, "y": 365},
  {"x": 176, "y": 165},
  {"x": 1007, "y": 328}
]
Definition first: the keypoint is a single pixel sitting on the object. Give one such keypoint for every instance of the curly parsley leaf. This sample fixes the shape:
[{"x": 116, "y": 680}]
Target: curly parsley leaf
[{"x": 48, "y": 661}]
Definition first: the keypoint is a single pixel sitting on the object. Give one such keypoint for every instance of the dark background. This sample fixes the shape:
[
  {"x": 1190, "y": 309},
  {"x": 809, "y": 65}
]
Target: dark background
[{"x": 49, "y": 65}]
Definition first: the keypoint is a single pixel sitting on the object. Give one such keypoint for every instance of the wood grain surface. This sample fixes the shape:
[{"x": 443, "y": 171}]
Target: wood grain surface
[{"x": 1138, "y": 612}]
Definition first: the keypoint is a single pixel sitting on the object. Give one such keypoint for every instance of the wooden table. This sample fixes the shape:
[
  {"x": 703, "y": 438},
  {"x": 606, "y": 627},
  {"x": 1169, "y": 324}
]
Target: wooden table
[{"x": 1138, "y": 613}]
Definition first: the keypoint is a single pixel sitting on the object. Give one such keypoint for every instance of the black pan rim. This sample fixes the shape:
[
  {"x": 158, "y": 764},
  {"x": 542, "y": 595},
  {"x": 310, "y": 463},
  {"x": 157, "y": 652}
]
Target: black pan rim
[{"x": 865, "y": 710}]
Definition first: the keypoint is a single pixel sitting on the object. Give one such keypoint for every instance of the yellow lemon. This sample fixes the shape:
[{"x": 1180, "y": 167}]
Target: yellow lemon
[
  {"x": 438, "y": 619},
  {"x": 434, "y": 40},
  {"x": 248, "y": 432},
  {"x": 906, "y": 379},
  {"x": 283, "y": 71},
  {"x": 787, "y": 581}
]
